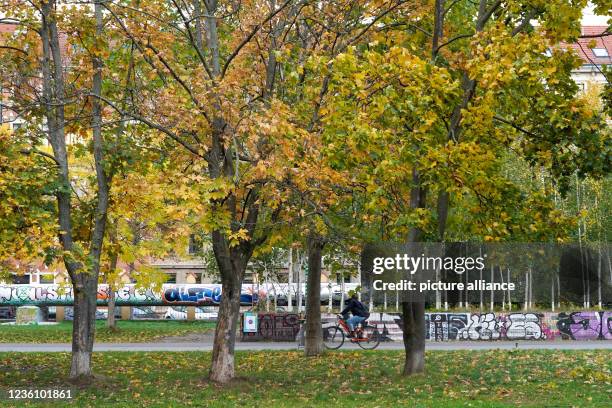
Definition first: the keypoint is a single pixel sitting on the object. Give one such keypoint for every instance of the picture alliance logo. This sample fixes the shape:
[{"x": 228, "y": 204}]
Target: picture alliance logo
[{"x": 404, "y": 262}]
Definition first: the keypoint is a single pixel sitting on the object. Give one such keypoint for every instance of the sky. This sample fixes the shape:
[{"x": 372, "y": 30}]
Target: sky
[{"x": 588, "y": 18}]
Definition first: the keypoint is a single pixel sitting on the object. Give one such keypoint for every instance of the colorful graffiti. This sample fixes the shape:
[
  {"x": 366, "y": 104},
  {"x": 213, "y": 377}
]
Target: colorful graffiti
[
  {"x": 523, "y": 326},
  {"x": 129, "y": 295},
  {"x": 587, "y": 325},
  {"x": 445, "y": 326},
  {"x": 274, "y": 327},
  {"x": 170, "y": 294},
  {"x": 481, "y": 327}
]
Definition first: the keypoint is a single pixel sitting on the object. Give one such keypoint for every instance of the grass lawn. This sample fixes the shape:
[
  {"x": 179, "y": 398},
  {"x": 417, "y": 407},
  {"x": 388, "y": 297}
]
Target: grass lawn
[
  {"x": 127, "y": 331},
  {"x": 537, "y": 378}
]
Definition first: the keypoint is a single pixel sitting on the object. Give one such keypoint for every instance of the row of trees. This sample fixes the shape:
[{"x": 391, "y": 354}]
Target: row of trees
[{"x": 261, "y": 124}]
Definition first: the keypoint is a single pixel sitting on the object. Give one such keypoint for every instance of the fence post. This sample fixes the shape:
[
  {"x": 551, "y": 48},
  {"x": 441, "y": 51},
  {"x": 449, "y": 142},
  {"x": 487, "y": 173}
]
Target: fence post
[
  {"x": 59, "y": 314},
  {"x": 191, "y": 313},
  {"x": 126, "y": 312}
]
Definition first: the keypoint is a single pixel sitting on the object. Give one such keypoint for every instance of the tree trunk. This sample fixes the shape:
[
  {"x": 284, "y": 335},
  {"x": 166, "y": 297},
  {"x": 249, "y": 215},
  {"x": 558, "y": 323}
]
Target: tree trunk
[
  {"x": 558, "y": 288},
  {"x": 438, "y": 292},
  {"x": 599, "y": 261},
  {"x": 232, "y": 265},
  {"x": 290, "y": 282},
  {"x": 343, "y": 290},
  {"x": 83, "y": 327},
  {"x": 525, "y": 303},
  {"x": 413, "y": 314},
  {"x": 298, "y": 295},
  {"x": 86, "y": 282},
  {"x": 111, "y": 322},
  {"x": 330, "y": 299},
  {"x": 552, "y": 294},
  {"x": 222, "y": 367},
  {"x": 314, "y": 334},
  {"x": 501, "y": 279},
  {"x": 481, "y": 296},
  {"x": 492, "y": 291},
  {"x": 530, "y": 288},
  {"x": 509, "y": 298}
]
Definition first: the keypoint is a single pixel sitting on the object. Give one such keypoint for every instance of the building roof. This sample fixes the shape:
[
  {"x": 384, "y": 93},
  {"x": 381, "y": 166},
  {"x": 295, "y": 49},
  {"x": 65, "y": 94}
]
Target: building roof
[
  {"x": 6, "y": 28},
  {"x": 603, "y": 46}
]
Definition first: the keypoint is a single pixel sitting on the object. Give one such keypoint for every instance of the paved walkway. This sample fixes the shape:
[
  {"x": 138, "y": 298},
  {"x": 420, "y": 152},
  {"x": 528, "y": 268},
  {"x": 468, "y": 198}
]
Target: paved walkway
[{"x": 207, "y": 346}]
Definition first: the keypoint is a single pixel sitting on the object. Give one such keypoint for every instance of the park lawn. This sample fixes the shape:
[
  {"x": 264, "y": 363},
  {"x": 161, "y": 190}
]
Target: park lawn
[
  {"x": 127, "y": 331},
  {"x": 534, "y": 378}
]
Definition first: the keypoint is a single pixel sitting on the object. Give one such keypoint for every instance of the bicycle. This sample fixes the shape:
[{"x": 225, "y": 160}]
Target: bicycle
[{"x": 366, "y": 335}]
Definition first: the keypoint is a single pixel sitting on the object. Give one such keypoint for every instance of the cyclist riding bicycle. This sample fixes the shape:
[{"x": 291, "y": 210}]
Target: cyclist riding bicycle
[{"x": 357, "y": 309}]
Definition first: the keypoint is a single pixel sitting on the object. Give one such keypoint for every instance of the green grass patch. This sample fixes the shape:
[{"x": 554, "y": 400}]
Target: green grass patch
[
  {"x": 535, "y": 378},
  {"x": 127, "y": 331}
]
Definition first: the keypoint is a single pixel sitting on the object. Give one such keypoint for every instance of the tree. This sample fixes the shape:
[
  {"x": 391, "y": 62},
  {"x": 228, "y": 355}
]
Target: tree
[
  {"x": 429, "y": 115},
  {"x": 206, "y": 56},
  {"x": 225, "y": 69},
  {"x": 60, "y": 103}
]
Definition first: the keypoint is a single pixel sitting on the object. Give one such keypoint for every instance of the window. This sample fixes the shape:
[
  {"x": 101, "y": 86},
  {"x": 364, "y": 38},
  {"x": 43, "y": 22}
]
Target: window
[
  {"x": 347, "y": 278},
  {"x": 195, "y": 245},
  {"x": 21, "y": 279},
  {"x": 16, "y": 126},
  {"x": 46, "y": 278},
  {"x": 600, "y": 52},
  {"x": 171, "y": 278}
]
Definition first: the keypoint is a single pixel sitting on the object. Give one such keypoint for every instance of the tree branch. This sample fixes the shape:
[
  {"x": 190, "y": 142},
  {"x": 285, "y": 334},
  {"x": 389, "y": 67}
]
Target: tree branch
[
  {"x": 34, "y": 151},
  {"x": 514, "y": 125},
  {"x": 251, "y": 35},
  {"x": 153, "y": 125},
  {"x": 455, "y": 38}
]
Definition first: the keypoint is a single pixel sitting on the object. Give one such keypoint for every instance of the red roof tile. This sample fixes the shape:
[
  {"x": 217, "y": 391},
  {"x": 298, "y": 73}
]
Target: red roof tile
[{"x": 604, "y": 42}]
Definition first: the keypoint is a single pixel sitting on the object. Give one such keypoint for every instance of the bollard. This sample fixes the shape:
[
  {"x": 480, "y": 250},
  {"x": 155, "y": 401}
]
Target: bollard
[
  {"x": 191, "y": 313},
  {"x": 59, "y": 313},
  {"x": 126, "y": 312}
]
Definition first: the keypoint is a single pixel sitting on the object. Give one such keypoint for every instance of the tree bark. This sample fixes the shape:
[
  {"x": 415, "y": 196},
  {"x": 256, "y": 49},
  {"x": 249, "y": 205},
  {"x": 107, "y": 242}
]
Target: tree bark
[
  {"x": 111, "y": 322},
  {"x": 599, "y": 261},
  {"x": 222, "y": 368},
  {"x": 492, "y": 291},
  {"x": 314, "y": 334},
  {"x": 83, "y": 326},
  {"x": 86, "y": 284},
  {"x": 232, "y": 265},
  {"x": 413, "y": 315},
  {"x": 84, "y": 281},
  {"x": 290, "y": 282}
]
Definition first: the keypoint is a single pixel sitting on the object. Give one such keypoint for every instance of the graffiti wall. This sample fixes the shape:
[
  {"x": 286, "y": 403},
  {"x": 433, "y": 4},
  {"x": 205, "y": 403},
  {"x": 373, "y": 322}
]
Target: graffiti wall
[
  {"x": 274, "y": 327},
  {"x": 587, "y": 325},
  {"x": 170, "y": 294},
  {"x": 462, "y": 326}
]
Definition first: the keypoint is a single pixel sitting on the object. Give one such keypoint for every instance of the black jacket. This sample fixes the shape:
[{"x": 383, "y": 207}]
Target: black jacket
[{"x": 356, "y": 308}]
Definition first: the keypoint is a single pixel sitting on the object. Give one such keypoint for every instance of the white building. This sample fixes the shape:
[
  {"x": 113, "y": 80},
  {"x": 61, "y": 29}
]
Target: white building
[{"x": 594, "y": 59}]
